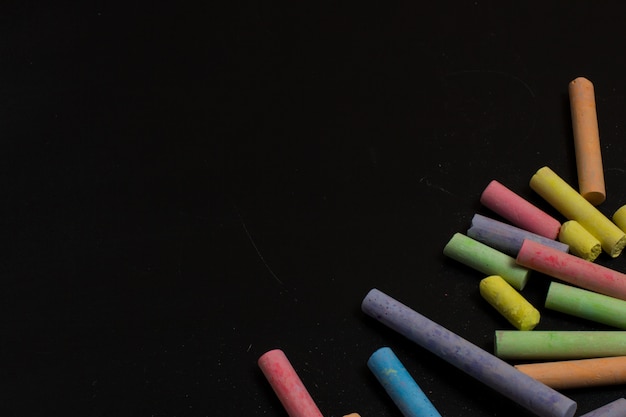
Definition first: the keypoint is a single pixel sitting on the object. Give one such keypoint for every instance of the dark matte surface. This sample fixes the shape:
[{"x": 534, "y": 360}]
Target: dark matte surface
[{"x": 187, "y": 187}]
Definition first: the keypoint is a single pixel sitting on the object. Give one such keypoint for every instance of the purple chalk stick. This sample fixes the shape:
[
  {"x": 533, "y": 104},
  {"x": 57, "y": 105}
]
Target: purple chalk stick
[
  {"x": 505, "y": 237},
  {"x": 485, "y": 367},
  {"x": 615, "y": 409}
]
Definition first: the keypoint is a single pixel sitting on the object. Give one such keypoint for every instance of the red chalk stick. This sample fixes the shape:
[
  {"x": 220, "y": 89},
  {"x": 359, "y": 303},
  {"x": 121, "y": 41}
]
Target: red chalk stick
[
  {"x": 287, "y": 385},
  {"x": 518, "y": 211},
  {"x": 572, "y": 269}
]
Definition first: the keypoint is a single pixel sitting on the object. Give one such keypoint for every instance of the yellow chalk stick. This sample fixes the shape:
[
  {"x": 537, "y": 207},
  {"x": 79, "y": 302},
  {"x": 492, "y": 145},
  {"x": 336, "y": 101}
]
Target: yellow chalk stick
[
  {"x": 587, "y": 141},
  {"x": 619, "y": 218},
  {"x": 504, "y": 298},
  {"x": 581, "y": 243},
  {"x": 573, "y": 206},
  {"x": 352, "y": 415},
  {"x": 578, "y": 373}
]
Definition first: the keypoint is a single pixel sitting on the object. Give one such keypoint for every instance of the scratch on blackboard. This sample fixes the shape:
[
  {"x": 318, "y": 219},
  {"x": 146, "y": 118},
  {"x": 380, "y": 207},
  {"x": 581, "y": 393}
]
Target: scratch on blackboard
[
  {"x": 426, "y": 181},
  {"x": 256, "y": 248},
  {"x": 513, "y": 77}
]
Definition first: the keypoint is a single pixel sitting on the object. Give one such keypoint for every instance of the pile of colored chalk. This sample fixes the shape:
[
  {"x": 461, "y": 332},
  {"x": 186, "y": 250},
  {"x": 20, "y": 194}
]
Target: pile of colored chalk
[{"x": 506, "y": 253}]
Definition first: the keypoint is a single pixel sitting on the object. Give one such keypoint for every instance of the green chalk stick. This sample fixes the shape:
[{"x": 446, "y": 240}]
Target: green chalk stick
[
  {"x": 559, "y": 345},
  {"x": 487, "y": 260},
  {"x": 587, "y": 305}
]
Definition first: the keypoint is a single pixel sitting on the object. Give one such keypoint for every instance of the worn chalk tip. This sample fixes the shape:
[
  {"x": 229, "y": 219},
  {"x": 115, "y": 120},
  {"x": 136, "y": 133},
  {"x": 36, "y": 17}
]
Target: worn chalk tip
[
  {"x": 595, "y": 197},
  {"x": 270, "y": 355},
  {"x": 617, "y": 248},
  {"x": 529, "y": 321},
  {"x": 593, "y": 253},
  {"x": 619, "y": 218},
  {"x": 369, "y": 300},
  {"x": 580, "y": 82},
  {"x": 581, "y": 243}
]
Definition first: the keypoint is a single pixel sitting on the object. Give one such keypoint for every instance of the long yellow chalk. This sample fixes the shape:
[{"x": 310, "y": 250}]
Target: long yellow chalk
[
  {"x": 503, "y": 297},
  {"x": 581, "y": 243},
  {"x": 574, "y": 207},
  {"x": 587, "y": 141},
  {"x": 578, "y": 373}
]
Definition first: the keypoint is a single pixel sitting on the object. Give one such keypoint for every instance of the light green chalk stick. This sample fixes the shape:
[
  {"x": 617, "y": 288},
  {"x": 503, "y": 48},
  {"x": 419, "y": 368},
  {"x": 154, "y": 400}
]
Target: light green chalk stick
[
  {"x": 587, "y": 305},
  {"x": 559, "y": 345},
  {"x": 487, "y": 260}
]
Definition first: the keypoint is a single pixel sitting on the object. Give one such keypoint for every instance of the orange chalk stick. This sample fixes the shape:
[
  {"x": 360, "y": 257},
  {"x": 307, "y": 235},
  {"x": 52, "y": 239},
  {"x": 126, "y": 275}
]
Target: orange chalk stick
[
  {"x": 578, "y": 373},
  {"x": 587, "y": 141}
]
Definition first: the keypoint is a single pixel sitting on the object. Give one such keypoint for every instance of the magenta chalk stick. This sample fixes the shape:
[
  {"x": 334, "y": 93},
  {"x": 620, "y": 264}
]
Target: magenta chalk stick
[
  {"x": 572, "y": 269},
  {"x": 518, "y": 211},
  {"x": 485, "y": 367},
  {"x": 287, "y": 385}
]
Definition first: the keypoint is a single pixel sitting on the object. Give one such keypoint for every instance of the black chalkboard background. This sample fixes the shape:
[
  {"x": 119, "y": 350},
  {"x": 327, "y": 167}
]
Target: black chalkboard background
[{"x": 187, "y": 186}]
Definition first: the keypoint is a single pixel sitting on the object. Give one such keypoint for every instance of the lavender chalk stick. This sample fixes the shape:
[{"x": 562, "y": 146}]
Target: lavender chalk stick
[
  {"x": 616, "y": 408},
  {"x": 488, "y": 369},
  {"x": 399, "y": 384},
  {"x": 505, "y": 237}
]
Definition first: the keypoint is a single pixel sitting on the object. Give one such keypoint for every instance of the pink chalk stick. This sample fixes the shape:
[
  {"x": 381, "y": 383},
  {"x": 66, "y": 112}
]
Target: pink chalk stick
[
  {"x": 287, "y": 385},
  {"x": 518, "y": 211},
  {"x": 572, "y": 269}
]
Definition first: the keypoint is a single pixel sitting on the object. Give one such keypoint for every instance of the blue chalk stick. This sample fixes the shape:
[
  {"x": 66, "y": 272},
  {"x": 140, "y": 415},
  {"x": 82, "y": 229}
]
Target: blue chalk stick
[
  {"x": 616, "y": 408},
  {"x": 505, "y": 237},
  {"x": 399, "y": 384},
  {"x": 485, "y": 367}
]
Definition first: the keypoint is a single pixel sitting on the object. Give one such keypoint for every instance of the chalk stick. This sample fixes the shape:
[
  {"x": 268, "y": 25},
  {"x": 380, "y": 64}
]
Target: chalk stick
[
  {"x": 573, "y": 206},
  {"x": 616, "y": 408},
  {"x": 287, "y": 385},
  {"x": 519, "y": 211},
  {"x": 486, "y": 368},
  {"x": 581, "y": 243},
  {"x": 558, "y": 344},
  {"x": 399, "y": 384},
  {"x": 619, "y": 218},
  {"x": 587, "y": 141},
  {"x": 486, "y": 260},
  {"x": 508, "y": 302},
  {"x": 572, "y": 269},
  {"x": 352, "y": 415},
  {"x": 586, "y": 304},
  {"x": 506, "y": 238},
  {"x": 581, "y": 373}
]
